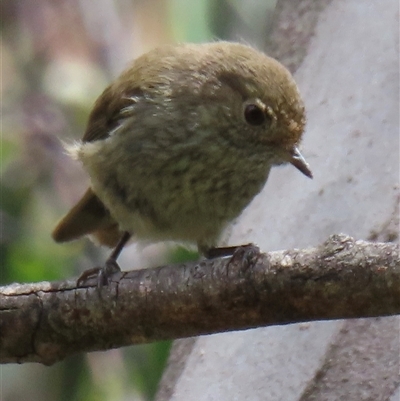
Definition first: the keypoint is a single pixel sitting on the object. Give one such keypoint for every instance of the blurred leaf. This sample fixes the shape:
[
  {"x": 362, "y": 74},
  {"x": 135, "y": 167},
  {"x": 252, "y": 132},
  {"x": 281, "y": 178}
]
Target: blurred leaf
[
  {"x": 8, "y": 150},
  {"x": 75, "y": 380},
  {"x": 14, "y": 200},
  {"x": 147, "y": 363},
  {"x": 182, "y": 254},
  {"x": 29, "y": 262}
]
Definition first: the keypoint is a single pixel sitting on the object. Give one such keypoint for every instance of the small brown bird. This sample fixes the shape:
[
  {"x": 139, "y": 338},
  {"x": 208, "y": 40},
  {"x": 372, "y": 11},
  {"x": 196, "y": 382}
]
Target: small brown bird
[{"x": 180, "y": 144}]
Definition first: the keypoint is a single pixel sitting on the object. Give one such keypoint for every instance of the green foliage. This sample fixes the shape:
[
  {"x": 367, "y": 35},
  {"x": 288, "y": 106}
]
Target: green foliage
[
  {"x": 146, "y": 364},
  {"x": 182, "y": 254}
]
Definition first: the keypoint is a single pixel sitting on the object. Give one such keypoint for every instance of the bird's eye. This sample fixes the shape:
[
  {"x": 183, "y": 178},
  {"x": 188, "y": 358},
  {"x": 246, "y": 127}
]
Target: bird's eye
[{"x": 254, "y": 114}]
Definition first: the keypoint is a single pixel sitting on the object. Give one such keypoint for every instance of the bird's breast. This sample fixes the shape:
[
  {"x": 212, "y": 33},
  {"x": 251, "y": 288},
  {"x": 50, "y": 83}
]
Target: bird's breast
[{"x": 185, "y": 191}]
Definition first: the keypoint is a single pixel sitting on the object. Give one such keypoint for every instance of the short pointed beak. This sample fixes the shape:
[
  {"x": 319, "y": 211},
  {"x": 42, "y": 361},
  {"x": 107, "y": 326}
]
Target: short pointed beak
[{"x": 298, "y": 161}]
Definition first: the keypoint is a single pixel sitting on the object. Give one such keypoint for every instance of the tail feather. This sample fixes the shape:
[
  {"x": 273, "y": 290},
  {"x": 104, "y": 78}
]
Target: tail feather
[{"x": 88, "y": 216}]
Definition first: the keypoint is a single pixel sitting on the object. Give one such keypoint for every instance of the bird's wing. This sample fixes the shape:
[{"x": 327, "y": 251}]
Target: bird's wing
[{"x": 116, "y": 103}]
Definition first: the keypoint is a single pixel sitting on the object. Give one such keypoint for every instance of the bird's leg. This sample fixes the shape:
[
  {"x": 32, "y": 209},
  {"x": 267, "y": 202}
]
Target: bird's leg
[{"x": 110, "y": 267}]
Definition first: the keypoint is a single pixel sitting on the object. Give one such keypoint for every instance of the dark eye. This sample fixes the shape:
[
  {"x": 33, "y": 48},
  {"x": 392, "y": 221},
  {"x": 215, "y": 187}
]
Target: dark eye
[{"x": 254, "y": 114}]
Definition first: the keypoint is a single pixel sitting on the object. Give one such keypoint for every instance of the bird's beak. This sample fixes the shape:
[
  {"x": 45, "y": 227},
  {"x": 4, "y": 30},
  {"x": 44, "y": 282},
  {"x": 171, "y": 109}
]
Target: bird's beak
[{"x": 298, "y": 161}]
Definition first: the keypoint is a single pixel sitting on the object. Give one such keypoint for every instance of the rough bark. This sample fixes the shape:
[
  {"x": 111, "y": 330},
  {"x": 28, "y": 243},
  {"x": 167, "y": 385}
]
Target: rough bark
[{"x": 342, "y": 278}]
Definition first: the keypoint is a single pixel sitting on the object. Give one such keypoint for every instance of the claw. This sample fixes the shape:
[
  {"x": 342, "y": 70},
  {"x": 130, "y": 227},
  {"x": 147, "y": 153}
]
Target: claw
[
  {"x": 245, "y": 255},
  {"x": 102, "y": 274}
]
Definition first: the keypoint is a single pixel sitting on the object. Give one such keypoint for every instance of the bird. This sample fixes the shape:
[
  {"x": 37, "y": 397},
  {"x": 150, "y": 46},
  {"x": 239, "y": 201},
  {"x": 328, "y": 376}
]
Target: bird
[{"x": 179, "y": 144}]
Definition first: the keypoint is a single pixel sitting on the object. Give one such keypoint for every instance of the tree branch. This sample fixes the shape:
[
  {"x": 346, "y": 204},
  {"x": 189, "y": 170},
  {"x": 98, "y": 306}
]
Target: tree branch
[{"x": 342, "y": 278}]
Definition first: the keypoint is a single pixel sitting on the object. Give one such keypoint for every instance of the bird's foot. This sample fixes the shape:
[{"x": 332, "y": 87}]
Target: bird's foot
[
  {"x": 102, "y": 274},
  {"x": 245, "y": 255}
]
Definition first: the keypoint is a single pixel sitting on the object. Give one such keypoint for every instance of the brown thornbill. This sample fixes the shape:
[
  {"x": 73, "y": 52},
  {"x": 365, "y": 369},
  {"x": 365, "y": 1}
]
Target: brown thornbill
[{"x": 180, "y": 143}]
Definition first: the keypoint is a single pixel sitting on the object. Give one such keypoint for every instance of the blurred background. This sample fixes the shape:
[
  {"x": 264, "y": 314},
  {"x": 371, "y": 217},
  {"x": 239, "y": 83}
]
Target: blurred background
[{"x": 57, "y": 56}]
